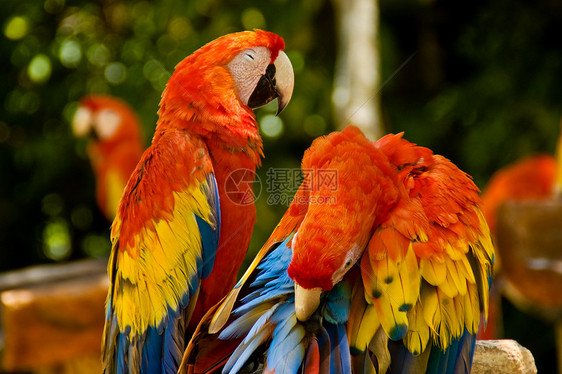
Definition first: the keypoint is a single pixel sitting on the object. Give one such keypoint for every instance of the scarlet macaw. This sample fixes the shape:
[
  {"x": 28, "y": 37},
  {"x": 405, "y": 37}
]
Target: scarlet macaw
[
  {"x": 114, "y": 148},
  {"x": 410, "y": 220},
  {"x": 178, "y": 238},
  {"x": 531, "y": 178},
  {"x": 537, "y": 177}
]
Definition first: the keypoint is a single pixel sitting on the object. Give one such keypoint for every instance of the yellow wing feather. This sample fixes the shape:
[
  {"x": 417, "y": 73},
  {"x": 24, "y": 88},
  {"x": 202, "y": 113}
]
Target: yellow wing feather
[
  {"x": 429, "y": 299},
  {"x": 418, "y": 331},
  {"x": 393, "y": 321},
  {"x": 167, "y": 262}
]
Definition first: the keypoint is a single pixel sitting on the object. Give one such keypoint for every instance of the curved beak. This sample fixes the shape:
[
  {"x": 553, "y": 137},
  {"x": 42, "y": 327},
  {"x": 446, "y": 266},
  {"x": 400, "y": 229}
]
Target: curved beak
[
  {"x": 306, "y": 301},
  {"x": 277, "y": 82},
  {"x": 285, "y": 78}
]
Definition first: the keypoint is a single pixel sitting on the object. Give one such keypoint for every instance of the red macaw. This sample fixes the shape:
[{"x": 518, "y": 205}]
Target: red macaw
[
  {"x": 115, "y": 146},
  {"x": 178, "y": 237},
  {"x": 410, "y": 220},
  {"x": 537, "y": 177}
]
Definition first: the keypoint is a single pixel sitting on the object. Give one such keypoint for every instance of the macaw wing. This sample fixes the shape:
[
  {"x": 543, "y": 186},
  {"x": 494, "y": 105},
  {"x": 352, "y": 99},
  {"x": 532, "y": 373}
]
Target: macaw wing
[
  {"x": 262, "y": 331},
  {"x": 426, "y": 272},
  {"x": 162, "y": 248}
]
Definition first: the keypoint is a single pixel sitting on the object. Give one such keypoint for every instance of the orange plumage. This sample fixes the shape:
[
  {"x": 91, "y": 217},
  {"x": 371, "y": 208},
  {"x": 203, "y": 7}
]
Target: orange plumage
[{"x": 114, "y": 148}]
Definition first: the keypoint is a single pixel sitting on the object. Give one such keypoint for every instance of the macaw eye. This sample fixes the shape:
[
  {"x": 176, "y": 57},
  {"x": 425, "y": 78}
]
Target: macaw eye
[
  {"x": 348, "y": 263},
  {"x": 250, "y": 55}
]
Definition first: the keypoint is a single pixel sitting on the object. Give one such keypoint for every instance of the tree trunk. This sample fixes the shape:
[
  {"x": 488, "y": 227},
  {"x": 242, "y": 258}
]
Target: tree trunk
[{"x": 356, "y": 96}]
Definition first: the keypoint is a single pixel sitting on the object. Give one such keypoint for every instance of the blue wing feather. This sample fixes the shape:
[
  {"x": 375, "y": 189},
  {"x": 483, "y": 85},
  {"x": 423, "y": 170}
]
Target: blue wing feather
[
  {"x": 244, "y": 351},
  {"x": 269, "y": 306},
  {"x": 340, "y": 358},
  {"x": 325, "y": 350},
  {"x": 455, "y": 359},
  {"x": 338, "y": 303},
  {"x": 152, "y": 352},
  {"x": 264, "y": 316},
  {"x": 210, "y": 233},
  {"x": 344, "y": 348}
]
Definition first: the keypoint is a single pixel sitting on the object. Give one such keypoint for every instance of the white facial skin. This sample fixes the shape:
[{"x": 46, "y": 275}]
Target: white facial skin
[
  {"x": 350, "y": 259},
  {"x": 247, "y": 68},
  {"x": 106, "y": 122},
  {"x": 82, "y": 122}
]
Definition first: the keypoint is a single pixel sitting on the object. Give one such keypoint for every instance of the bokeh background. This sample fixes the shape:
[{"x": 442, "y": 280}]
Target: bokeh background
[{"x": 484, "y": 88}]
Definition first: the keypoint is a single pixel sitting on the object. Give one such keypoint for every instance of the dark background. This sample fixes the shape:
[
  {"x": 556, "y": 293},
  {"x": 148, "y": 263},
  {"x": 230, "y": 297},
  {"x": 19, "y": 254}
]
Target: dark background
[{"x": 483, "y": 89}]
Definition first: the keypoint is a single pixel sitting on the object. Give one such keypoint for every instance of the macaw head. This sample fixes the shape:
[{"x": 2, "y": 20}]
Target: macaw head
[
  {"x": 340, "y": 217},
  {"x": 327, "y": 244},
  {"x": 106, "y": 120},
  {"x": 226, "y": 79}
]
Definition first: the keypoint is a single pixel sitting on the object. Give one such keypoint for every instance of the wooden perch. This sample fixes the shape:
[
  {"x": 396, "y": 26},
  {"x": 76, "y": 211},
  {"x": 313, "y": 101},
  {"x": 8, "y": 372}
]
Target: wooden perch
[
  {"x": 55, "y": 317},
  {"x": 42, "y": 274}
]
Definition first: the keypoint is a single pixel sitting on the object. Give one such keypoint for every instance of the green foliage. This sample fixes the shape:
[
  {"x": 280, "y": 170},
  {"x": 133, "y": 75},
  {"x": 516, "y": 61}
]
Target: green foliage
[
  {"x": 56, "y": 52},
  {"x": 484, "y": 87}
]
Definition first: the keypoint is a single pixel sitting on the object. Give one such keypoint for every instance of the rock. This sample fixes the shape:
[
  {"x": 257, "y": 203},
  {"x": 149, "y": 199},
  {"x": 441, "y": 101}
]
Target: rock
[{"x": 502, "y": 357}]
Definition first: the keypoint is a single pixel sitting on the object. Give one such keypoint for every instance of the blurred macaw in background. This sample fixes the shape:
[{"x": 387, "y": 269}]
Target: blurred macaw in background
[
  {"x": 532, "y": 178},
  {"x": 410, "y": 220},
  {"x": 115, "y": 146},
  {"x": 179, "y": 236}
]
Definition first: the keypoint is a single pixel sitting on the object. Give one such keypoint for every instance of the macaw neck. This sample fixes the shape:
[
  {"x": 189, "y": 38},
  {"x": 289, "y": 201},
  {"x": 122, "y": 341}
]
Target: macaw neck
[
  {"x": 237, "y": 136},
  {"x": 234, "y": 171}
]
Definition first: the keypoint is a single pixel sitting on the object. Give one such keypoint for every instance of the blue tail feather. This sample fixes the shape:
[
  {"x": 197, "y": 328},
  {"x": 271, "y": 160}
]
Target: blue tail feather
[
  {"x": 457, "y": 358},
  {"x": 340, "y": 359},
  {"x": 122, "y": 347},
  {"x": 325, "y": 350}
]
